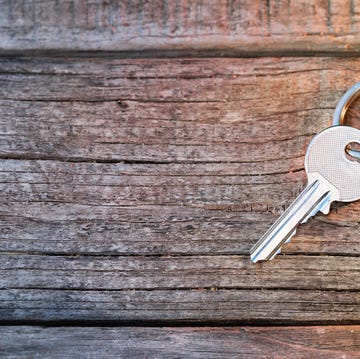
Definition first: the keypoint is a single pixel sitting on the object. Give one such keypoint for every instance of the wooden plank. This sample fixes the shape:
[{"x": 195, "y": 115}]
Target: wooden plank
[
  {"x": 174, "y": 272},
  {"x": 181, "y": 306},
  {"x": 213, "y": 110},
  {"x": 235, "y": 26},
  {"x": 198, "y": 342},
  {"x": 156, "y": 209}
]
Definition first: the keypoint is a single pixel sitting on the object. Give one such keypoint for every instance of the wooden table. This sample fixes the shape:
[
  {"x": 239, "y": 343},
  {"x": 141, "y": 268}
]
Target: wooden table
[{"x": 145, "y": 147}]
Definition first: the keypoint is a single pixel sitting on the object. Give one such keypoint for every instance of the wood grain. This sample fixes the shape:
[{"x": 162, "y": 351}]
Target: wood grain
[
  {"x": 181, "y": 306},
  {"x": 198, "y": 342},
  {"x": 202, "y": 110},
  {"x": 132, "y": 190},
  {"x": 55, "y": 207},
  {"x": 168, "y": 272},
  {"x": 205, "y": 176},
  {"x": 226, "y": 26}
]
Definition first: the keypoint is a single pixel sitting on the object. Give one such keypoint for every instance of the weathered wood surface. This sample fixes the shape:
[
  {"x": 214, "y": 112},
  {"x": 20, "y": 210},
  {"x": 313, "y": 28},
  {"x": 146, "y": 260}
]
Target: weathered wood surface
[
  {"x": 55, "y": 207},
  {"x": 230, "y": 26},
  {"x": 133, "y": 190},
  {"x": 199, "y": 342},
  {"x": 193, "y": 111},
  {"x": 177, "y": 305}
]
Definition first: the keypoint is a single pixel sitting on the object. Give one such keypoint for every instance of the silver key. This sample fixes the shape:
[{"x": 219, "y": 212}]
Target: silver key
[{"x": 332, "y": 176}]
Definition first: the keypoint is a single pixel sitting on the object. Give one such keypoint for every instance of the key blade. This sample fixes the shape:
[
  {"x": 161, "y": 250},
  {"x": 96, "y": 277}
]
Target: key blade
[{"x": 312, "y": 199}]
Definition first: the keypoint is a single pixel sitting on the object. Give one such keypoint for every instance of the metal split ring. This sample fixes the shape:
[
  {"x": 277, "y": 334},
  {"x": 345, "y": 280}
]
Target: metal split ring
[{"x": 340, "y": 111}]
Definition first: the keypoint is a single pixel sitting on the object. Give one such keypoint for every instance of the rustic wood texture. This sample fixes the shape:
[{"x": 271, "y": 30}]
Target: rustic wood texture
[
  {"x": 132, "y": 190},
  {"x": 181, "y": 306},
  {"x": 199, "y": 342},
  {"x": 233, "y": 26}
]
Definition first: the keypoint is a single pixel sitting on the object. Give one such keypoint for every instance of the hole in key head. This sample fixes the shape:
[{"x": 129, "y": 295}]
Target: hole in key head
[{"x": 352, "y": 146}]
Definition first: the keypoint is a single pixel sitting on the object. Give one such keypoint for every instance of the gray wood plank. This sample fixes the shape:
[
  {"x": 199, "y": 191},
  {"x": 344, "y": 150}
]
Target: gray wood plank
[
  {"x": 174, "y": 272},
  {"x": 118, "y": 231},
  {"x": 198, "y": 342},
  {"x": 152, "y": 209},
  {"x": 226, "y": 26},
  {"x": 181, "y": 306},
  {"x": 213, "y": 110}
]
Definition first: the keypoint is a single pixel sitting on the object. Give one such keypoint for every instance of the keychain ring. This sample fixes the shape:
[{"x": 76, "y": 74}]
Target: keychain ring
[{"x": 341, "y": 108}]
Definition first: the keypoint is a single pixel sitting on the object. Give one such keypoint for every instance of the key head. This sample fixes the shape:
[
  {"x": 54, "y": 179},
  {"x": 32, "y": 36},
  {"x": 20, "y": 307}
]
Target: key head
[{"x": 326, "y": 157}]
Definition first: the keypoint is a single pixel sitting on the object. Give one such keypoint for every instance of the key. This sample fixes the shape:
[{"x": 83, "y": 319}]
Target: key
[{"x": 332, "y": 176}]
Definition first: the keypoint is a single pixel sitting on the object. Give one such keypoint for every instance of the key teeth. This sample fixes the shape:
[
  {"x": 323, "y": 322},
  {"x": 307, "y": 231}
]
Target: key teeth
[
  {"x": 326, "y": 209},
  {"x": 312, "y": 214},
  {"x": 290, "y": 236},
  {"x": 275, "y": 254}
]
